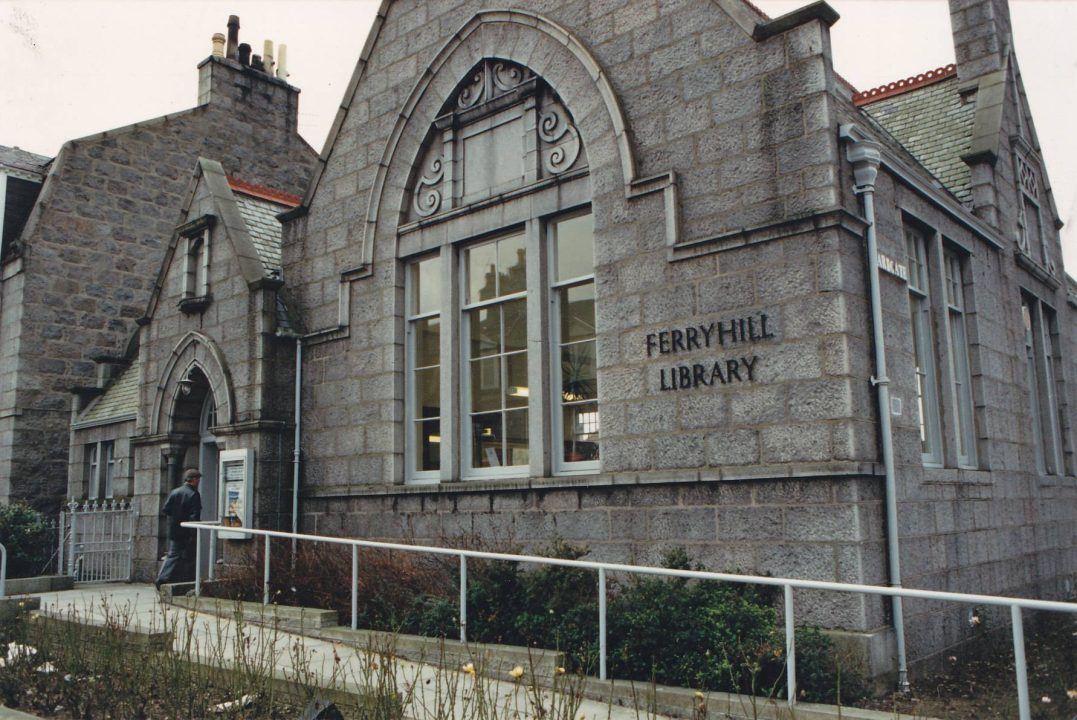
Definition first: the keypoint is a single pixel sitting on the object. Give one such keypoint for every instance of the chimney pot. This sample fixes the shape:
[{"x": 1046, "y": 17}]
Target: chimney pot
[
  {"x": 256, "y": 63},
  {"x": 282, "y": 62},
  {"x": 233, "y": 36},
  {"x": 267, "y": 57},
  {"x": 218, "y": 44},
  {"x": 244, "y": 54}
]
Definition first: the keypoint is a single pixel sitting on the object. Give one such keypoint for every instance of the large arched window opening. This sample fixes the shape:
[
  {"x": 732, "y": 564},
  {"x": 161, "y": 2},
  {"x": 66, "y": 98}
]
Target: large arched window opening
[{"x": 498, "y": 253}]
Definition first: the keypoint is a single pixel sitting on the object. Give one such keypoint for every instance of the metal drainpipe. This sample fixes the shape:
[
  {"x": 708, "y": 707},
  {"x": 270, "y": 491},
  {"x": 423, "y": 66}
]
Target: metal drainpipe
[
  {"x": 865, "y": 157},
  {"x": 296, "y": 449}
]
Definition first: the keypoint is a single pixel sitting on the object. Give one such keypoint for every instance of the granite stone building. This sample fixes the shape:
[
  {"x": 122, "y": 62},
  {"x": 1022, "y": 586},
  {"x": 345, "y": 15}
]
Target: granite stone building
[
  {"x": 639, "y": 275},
  {"x": 84, "y": 236}
]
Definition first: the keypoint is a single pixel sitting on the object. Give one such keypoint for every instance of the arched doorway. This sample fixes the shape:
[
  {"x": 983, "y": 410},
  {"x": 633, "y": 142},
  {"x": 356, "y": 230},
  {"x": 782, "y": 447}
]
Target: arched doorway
[{"x": 193, "y": 419}]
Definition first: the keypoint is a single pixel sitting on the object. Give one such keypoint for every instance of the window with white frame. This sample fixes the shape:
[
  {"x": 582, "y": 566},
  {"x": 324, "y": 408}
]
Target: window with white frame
[
  {"x": 499, "y": 380},
  {"x": 500, "y": 369},
  {"x": 100, "y": 469},
  {"x": 927, "y": 400},
  {"x": 958, "y": 356},
  {"x": 496, "y": 382},
  {"x": 423, "y": 337},
  {"x": 1040, "y": 360},
  {"x": 575, "y": 381}
]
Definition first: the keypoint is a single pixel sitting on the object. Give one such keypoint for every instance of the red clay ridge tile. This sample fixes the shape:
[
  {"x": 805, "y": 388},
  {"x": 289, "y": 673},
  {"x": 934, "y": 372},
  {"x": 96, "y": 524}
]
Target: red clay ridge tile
[
  {"x": 264, "y": 193},
  {"x": 903, "y": 86}
]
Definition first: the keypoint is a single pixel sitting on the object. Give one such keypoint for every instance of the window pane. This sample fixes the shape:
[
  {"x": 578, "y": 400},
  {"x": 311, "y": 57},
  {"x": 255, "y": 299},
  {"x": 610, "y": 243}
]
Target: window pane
[
  {"x": 486, "y": 440},
  {"x": 575, "y": 247},
  {"x": 515, "y": 314},
  {"x": 428, "y": 445},
  {"x": 428, "y": 393},
  {"x": 578, "y": 312},
  {"x": 578, "y": 373},
  {"x": 517, "y": 392},
  {"x": 580, "y": 429},
  {"x": 485, "y": 384},
  {"x": 427, "y": 341},
  {"x": 512, "y": 264},
  {"x": 516, "y": 437},
  {"x": 425, "y": 283},
  {"x": 481, "y": 264},
  {"x": 485, "y": 331}
]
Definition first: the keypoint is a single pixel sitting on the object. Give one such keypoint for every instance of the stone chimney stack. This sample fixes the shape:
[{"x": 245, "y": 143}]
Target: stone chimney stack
[
  {"x": 229, "y": 80},
  {"x": 983, "y": 36}
]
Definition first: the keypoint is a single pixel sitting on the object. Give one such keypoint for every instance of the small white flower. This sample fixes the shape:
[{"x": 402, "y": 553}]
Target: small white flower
[
  {"x": 469, "y": 668},
  {"x": 1071, "y": 694},
  {"x": 516, "y": 673},
  {"x": 1045, "y": 699}
]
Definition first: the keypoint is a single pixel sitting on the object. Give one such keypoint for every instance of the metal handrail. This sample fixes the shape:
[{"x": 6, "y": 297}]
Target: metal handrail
[
  {"x": 788, "y": 585},
  {"x": 3, "y": 570}
]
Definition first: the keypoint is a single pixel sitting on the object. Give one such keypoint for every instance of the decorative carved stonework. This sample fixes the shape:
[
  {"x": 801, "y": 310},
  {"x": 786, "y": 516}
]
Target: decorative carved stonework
[
  {"x": 427, "y": 199},
  {"x": 1027, "y": 177},
  {"x": 553, "y": 126},
  {"x": 502, "y": 128},
  {"x": 491, "y": 80}
]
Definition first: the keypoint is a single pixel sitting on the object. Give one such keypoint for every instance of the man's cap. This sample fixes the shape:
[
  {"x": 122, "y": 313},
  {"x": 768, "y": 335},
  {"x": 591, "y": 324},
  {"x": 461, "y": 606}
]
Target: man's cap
[{"x": 191, "y": 473}]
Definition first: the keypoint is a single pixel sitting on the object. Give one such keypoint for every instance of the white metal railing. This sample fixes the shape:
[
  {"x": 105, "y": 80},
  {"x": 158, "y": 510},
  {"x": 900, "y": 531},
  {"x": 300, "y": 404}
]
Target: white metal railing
[
  {"x": 97, "y": 540},
  {"x": 3, "y": 570},
  {"x": 788, "y": 585}
]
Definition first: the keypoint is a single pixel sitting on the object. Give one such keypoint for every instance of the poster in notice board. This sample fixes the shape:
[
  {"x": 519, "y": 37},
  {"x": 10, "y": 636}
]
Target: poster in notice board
[{"x": 236, "y": 473}]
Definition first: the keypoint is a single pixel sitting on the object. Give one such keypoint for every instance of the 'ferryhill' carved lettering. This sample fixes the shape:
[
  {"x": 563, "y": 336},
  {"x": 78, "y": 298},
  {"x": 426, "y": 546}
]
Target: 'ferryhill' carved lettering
[
  {"x": 749, "y": 329},
  {"x": 699, "y": 337}
]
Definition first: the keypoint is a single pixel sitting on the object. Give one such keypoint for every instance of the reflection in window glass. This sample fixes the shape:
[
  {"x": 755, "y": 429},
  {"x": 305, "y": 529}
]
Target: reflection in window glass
[
  {"x": 923, "y": 348},
  {"x": 495, "y": 316},
  {"x": 575, "y": 369},
  {"x": 424, "y": 361},
  {"x": 960, "y": 373}
]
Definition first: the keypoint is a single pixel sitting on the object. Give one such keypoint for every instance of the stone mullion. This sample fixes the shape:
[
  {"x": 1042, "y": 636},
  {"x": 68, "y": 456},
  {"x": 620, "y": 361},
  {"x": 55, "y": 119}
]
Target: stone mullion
[
  {"x": 451, "y": 424},
  {"x": 538, "y": 370}
]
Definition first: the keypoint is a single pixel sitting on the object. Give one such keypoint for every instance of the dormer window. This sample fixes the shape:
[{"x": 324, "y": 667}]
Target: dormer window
[
  {"x": 1032, "y": 240},
  {"x": 194, "y": 243},
  {"x": 197, "y": 266}
]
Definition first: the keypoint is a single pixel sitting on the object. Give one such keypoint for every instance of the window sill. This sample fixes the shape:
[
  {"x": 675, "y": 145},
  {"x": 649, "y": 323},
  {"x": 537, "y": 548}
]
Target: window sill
[
  {"x": 937, "y": 475},
  {"x": 192, "y": 305}
]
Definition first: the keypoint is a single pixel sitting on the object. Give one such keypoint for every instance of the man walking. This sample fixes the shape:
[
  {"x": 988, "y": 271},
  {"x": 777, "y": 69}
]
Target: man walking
[{"x": 184, "y": 504}]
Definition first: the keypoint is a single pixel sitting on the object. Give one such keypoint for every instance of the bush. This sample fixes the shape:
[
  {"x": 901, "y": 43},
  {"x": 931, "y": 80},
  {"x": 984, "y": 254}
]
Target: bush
[
  {"x": 28, "y": 540},
  {"x": 699, "y": 634}
]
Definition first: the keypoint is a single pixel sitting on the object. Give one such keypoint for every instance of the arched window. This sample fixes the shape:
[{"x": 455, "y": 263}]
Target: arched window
[{"x": 498, "y": 253}]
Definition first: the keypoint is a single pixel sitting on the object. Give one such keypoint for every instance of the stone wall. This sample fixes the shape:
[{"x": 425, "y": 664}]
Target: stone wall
[
  {"x": 95, "y": 242},
  {"x": 768, "y": 224}
]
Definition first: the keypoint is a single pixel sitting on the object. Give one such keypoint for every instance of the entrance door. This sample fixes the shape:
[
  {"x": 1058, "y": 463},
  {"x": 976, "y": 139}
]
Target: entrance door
[{"x": 209, "y": 488}]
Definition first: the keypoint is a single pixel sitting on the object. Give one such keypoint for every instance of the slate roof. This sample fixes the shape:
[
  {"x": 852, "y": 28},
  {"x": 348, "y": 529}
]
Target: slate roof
[
  {"x": 264, "y": 228},
  {"x": 933, "y": 124},
  {"x": 119, "y": 400},
  {"x": 20, "y": 159}
]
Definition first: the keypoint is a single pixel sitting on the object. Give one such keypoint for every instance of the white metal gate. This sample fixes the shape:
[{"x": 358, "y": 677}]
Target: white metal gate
[{"x": 98, "y": 540}]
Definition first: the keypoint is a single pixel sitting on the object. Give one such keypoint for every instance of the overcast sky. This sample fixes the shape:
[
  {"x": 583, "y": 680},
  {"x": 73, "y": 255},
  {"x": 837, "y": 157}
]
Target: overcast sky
[{"x": 69, "y": 69}]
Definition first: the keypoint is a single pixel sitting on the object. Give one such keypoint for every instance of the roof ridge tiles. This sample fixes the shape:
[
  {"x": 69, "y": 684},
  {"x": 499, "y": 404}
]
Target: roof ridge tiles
[
  {"x": 898, "y": 87},
  {"x": 264, "y": 193}
]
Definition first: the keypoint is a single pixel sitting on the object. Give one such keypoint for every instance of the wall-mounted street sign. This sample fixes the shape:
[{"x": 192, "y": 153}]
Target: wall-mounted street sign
[{"x": 889, "y": 265}]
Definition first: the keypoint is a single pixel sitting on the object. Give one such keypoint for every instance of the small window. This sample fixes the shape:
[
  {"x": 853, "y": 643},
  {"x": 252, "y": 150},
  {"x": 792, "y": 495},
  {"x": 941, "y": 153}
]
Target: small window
[
  {"x": 100, "y": 470},
  {"x": 924, "y": 348},
  {"x": 196, "y": 270}
]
